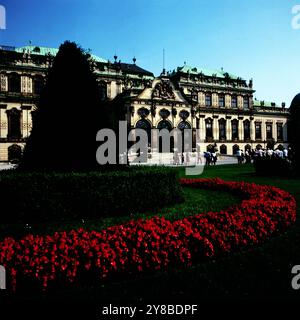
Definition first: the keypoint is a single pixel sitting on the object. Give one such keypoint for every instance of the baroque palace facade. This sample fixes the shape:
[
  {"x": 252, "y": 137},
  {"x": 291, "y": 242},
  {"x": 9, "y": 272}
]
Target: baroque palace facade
[{"x": 220, "y": 105}]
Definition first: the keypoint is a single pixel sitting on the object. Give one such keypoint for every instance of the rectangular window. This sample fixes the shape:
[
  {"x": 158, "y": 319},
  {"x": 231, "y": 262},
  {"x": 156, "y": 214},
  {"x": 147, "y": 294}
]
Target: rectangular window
[
  {"x": 269, "y": 131},
  {"x": 279, "y": 131},
  {"x": 258, "y": 131},
  {"x": 246, "y": 102},
  {"x": 234, "y": 102},
  {"x": 208, "y": 100},
  {"x": 246, "y": 130},
  {"x": 235, "y": 130},
  {"x": 221, "y": 101},
  {"x": 209, "y": 130},
  {"x": 222, "y": 130}
]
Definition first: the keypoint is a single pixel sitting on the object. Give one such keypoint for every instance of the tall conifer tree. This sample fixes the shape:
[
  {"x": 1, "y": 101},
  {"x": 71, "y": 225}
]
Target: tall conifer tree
[{"x": 68, "y": 116}]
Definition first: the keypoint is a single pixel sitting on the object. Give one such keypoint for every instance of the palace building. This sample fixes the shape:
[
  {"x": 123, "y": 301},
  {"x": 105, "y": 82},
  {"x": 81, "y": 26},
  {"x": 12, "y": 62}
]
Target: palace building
[{"x": 219, "y": 104}]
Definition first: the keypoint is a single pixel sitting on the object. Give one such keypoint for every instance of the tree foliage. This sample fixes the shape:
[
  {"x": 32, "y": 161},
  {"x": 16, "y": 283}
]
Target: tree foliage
[
  {"x": 68, "y": 116},
  {"x": 294, "y": 133}
]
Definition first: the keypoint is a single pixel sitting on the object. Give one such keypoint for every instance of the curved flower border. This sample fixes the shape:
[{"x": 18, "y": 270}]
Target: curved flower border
[{"x": 152, "y": 244}]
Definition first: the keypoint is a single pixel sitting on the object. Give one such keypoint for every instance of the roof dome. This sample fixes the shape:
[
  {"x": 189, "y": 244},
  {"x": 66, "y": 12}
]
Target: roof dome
[{"x": 296, "y": 101}]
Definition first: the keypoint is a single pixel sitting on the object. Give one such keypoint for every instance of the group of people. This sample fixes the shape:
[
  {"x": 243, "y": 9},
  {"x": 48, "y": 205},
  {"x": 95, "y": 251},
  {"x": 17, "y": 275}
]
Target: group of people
[
  {"x": 249, "y": 156},
  {"x": 210, "y": 157},
  {"x": 181, "y": 158},
  {"x": 252, "y": 155}
]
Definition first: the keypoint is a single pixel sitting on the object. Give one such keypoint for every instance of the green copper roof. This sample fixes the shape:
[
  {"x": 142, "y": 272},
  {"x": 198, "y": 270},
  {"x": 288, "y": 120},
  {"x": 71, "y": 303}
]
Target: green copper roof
[
  {"x": 266, "y": 104},
  {"x": 206, "y": 72},
  {"x": 43, "y": 51}
]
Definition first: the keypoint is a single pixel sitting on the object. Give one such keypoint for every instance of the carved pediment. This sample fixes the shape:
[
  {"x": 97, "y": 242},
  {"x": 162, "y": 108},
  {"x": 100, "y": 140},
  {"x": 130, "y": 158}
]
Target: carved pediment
[{"x": 163, "y": 90}]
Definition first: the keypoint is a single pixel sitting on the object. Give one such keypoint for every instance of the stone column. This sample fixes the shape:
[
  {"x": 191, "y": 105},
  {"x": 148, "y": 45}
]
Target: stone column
[
  {"x": 263, "y": 130},
  {"x": 214, "y": 98},
  {"x": 216, "y": 127},
  {"x": 29, "y": 85},
  {"x": 25, "y": 125},
  {"x": 202, "y": 128},
  {"x": 241, "y": 129},
  {"x": 227, "y": 101},
  {"x": 3, "y": 122},
  {"x": 240, "y": 102},
  {"x": 23, "y": 84},
  {"x": 228, "y": 128},
  {"x": 201, "y": 97},
  {"x": 109, "y": 90},
  {"x": 3, "y": 82},
  {"x": 274, "y": 130},
  {"x": 252, "y": 129}
]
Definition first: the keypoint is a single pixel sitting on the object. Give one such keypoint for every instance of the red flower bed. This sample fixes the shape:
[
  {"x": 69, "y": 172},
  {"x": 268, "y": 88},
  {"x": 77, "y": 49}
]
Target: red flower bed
[{"x": 153, "y": 244}]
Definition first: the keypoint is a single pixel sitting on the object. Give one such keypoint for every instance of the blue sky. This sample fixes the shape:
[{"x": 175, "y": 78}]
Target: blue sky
[{"x": 253, "y": 39}]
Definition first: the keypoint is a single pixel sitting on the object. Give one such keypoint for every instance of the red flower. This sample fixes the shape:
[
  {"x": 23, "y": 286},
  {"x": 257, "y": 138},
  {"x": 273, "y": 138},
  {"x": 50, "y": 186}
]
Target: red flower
[{"x": 152, "y": 244}]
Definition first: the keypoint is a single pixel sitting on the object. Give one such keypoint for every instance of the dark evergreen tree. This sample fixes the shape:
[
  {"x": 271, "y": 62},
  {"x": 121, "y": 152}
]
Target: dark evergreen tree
[
  {"x": 68, "y": 116},
  {"x": 294, "y": 133}
]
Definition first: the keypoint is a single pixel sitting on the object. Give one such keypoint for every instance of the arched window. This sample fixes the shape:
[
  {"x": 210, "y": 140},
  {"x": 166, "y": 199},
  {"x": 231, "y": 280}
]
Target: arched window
[
  {"x": 143, "y": 112},
  {"x": 145, "y": 125},
  {"x": 247, "y": 147},
  {"x": 209, "y": 128},
  {"x": 235, "y": 148},
  {"x": 14, "y": 124},
  {"x": 164, "y": 113},
  {"x": 183, "y": 114},
  {"x": 184, "y": 125},
  {"x": 164, "y": 124},
  {"x": 222, "y": 129},
  {"x": 223, "y": 149},
  {"x": 235, "y": 129},
  {"x": 280, "y": 147},
  {"x": 14, "y": 153},
  {"x": 246, "y": 130},
  {"x": 38, "y": 84},
  {"x": 14, "y": 83},
  {"x": 258, "y": 147},
  {"x": 210, "y": 148}
]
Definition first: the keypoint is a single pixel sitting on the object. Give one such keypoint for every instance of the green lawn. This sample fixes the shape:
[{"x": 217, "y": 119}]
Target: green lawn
[
  {"x": 262, "y": 272},
  {"x": 195, "y": 201},
  {"x": 246, "y": 173}
]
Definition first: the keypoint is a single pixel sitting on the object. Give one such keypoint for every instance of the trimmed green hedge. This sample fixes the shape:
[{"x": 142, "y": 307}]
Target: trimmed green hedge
[
  {"x": 272, "y": 167},
  {"x": 42, "y": 197}
]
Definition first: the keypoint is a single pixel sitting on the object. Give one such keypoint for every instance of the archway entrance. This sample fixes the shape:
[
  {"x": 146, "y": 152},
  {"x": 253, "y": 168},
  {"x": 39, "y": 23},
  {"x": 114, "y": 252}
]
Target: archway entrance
[
  {"x": 235, "y": 148},
  {"x": 164, "y": 124},
  {"x": 14, "y": 153},
  {"x": 145, "y": 125},
  {"x": 183, "y": 125}
]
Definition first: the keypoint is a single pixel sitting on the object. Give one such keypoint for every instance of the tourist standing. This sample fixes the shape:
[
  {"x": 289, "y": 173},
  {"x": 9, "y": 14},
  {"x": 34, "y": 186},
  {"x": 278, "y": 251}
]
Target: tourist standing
[
  {"x": 187, "y": 158},
  {"x": 207, "y": 157},
  {"x": 239, "y": 156},
  {"x": 214, "y": 158}
]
